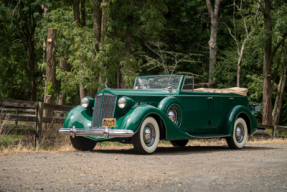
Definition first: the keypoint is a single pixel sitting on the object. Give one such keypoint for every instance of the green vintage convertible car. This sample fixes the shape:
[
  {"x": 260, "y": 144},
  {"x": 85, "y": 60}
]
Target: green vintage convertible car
[{"x": 161, "y": 107}]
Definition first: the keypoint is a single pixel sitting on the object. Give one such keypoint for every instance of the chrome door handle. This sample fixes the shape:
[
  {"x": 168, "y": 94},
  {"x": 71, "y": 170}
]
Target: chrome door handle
[
  {"x": 231, "y": 98},
  {"x": 209, "y": 97}
]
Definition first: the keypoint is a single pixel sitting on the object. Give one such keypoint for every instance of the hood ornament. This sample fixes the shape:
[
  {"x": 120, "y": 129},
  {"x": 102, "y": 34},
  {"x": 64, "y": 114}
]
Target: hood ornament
[
  {"x": 106, "y": 84},
  {"x": 170, "y": 89}
]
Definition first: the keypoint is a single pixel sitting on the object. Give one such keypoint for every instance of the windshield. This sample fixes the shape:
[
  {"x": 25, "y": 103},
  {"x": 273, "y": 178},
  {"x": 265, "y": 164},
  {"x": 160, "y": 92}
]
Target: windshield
[{"x": 157, "y": 82}]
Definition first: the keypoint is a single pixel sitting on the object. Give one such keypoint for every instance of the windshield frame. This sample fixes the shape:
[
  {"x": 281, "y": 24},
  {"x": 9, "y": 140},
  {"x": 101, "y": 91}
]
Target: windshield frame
[{"x": 178, "y": 88}]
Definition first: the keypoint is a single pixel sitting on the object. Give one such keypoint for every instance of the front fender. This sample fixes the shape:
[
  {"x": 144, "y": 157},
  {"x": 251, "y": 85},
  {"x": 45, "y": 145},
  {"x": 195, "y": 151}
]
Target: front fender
[
  {"x": 79, "y": 117},
  {"x": 134, "y": 118},
  {"x": 234, "y": 114}
]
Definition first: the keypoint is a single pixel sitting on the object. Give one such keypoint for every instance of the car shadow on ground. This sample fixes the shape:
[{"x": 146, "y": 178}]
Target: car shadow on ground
[{"x": 185, "y": 150}]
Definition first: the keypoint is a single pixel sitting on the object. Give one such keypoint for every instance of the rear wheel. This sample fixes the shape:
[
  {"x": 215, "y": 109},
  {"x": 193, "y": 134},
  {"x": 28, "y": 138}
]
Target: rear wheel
[
  {"x": 179, "y": 143},
  {"x": 146, "y": 139},
  {"x": 240, "y": 135},
  {"x": 83, "y": 144}
]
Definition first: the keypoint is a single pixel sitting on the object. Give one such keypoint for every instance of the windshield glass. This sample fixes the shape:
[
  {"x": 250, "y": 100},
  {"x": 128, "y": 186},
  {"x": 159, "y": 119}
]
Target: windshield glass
[{"x": 157, "y": 82}]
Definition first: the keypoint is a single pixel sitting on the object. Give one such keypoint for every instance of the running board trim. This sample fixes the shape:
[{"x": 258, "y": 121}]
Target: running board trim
[{"x": 207, "y": 136}]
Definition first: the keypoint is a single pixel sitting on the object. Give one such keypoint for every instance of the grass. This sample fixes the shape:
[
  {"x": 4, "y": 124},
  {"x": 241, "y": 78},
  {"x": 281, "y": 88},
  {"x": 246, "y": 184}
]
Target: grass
[
  {"x": 8, "y": 144},
  {"x": 6, "y": 140}
]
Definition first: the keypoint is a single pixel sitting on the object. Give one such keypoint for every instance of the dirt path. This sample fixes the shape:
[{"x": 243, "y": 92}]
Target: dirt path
[{"x": 255, "y": 168}]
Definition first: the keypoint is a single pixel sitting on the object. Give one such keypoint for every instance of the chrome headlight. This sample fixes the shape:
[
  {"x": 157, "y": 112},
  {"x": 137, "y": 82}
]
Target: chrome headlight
[
  {"x": 122, "y": 102},
  {"x": 85, "y": 102}
]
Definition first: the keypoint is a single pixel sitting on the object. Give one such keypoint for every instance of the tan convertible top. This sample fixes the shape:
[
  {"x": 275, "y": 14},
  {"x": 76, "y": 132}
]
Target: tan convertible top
[{"x": 235, "y": 90}]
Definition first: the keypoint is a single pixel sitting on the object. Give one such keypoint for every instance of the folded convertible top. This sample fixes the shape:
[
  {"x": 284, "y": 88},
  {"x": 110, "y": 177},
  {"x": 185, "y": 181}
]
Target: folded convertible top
[{"x": 235, "y": 90}]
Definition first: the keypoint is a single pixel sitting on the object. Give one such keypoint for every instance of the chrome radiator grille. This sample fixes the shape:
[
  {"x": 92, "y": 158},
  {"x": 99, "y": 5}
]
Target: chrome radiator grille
[{"x": 108, "y": 107}]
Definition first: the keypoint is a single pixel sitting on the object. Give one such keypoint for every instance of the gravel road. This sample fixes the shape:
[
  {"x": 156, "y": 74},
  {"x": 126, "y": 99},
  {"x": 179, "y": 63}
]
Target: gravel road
[{"x": 258, "y": 167}]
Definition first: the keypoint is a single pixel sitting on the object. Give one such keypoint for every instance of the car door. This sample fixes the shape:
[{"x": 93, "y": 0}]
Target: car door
[
  {"x": 222, "y": 104},
  {"x": 197, "y": 109},
  {"x": 196, "y": 113}
]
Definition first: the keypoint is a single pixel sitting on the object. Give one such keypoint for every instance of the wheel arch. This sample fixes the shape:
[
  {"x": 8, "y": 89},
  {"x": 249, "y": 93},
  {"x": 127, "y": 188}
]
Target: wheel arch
[
  {"x": 243, "y": 112},
  {"x": 161, "y": 124},
  {"x": 135, "y": 117},
  {"x": 247, "y": 120}
]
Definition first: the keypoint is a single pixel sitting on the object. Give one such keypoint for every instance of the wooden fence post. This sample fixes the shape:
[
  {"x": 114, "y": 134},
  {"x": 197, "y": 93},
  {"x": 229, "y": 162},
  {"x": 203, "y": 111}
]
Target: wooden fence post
[
  {"x": 39, "y": 120},
  {"x": 274, "y": 131}
]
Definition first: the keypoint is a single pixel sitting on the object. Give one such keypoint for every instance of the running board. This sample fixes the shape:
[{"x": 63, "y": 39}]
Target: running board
[{"x": 207, "y": 136}]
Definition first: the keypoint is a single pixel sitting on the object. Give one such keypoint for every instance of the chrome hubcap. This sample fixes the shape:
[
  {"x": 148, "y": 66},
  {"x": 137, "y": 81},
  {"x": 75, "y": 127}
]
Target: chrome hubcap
[
  {"x": 172, "y": 115},
  {"x": 149, "y": 134},
  {"x": 239, "y": 133}
]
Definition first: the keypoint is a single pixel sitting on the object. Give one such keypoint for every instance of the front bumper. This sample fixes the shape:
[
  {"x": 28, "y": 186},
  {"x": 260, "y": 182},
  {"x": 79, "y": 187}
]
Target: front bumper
[{"x": 120, "y": 133}]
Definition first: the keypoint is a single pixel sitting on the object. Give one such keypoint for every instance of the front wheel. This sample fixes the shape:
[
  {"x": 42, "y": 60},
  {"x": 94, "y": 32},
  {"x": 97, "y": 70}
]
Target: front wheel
[
  {"x": 240, "y": 135},
  {"x": 146, "y": 139},
  {"x": 83, "y": 144}
]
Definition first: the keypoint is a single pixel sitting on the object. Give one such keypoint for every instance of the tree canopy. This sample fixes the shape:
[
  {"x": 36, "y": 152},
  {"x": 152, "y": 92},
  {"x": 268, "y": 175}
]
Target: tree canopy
[{"x": 121, "y": 39}]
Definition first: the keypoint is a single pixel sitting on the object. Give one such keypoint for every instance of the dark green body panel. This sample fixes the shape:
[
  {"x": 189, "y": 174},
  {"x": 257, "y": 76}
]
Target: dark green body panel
[
  {"x": 233, "y": 115},
  {"x": 78, "y": 117},
  {"x": 202, "y": 113}
]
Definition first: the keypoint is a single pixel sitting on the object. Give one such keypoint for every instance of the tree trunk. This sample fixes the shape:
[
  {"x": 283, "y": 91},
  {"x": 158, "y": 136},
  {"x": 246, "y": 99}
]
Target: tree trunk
[
  {"x": 31, "y": 49},
  {"x": 103, "y": 32},
  {"x": 83, "y": 91},
  {"x": 76, "y": 11},
  {"x": 279, "y": 98},
  {"x": 97, "y": 22},
  {"x": 118, "y": 77},
  {"x": 104, "y": 22},
  {"x": 50, "y": 70},
  {"x": 81, "y": 88},
  {"x": 51, "y": 60},
  {"x": 267, "y": 87},
  {"x": 129, "y": 38},
  {"x": 240, "y": 56},
  {"x": 61, "y": 97},
  {"x": 83, "y": 13},
  {"x": 213, "y": 38}
]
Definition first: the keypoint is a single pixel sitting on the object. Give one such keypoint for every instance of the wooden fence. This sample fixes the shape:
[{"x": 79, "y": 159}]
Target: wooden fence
[
  {"x": 275, "y": 128},
  {"x": 29, "y": 111}
]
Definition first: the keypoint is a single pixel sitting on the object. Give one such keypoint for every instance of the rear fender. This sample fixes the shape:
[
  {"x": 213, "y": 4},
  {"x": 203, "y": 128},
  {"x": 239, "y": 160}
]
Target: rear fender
[{"x": 236, "y": 112}]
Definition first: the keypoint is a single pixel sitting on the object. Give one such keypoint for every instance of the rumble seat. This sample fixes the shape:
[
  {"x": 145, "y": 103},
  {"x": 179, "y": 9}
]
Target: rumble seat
[{"x": 235, "y": 90}]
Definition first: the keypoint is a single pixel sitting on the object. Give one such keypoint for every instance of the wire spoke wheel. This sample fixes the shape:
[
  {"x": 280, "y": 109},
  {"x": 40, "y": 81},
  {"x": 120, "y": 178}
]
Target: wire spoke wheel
[
  {"x": 240, "y": 134},
  {"x": 147, "y": 137}
]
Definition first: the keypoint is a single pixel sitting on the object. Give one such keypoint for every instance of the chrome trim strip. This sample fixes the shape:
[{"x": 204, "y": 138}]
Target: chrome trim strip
[
  {"x": 96, "y": 132},
  {"x": 207, "y": 136}
]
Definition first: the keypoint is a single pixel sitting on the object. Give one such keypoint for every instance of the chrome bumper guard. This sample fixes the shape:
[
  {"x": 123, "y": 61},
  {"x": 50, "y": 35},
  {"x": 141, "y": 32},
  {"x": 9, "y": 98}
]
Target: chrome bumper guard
[{"x": 121, "y": 133}]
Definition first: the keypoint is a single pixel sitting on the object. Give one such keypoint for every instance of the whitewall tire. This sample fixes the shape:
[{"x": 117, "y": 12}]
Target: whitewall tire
[
  {"x": 146, "y": 140},
  {"x": 240, "y": 134}
]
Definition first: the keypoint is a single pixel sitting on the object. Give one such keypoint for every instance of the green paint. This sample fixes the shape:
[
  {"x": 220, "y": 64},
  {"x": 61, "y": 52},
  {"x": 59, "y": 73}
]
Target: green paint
[{"x": 201, "y": 113}]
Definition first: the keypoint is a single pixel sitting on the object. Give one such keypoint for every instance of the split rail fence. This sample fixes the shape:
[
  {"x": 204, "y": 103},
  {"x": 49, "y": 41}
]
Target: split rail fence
[
  {"x": 29, "y": 111},
  {"x": 276, "y": 128}
]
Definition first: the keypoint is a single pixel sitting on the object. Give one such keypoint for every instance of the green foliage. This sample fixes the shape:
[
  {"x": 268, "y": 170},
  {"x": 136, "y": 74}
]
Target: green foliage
[
  {"x": 49, "y": 88},
  {"x": 142, "y": 38}
]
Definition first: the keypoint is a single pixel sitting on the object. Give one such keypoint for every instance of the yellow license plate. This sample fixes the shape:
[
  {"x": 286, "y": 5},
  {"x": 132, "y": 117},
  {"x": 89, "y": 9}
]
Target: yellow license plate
[{"x": 110, "y": 122}]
